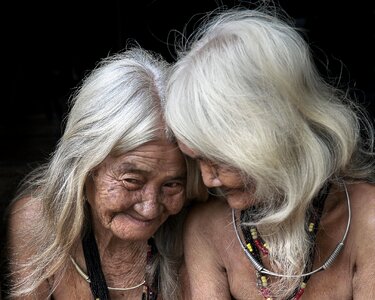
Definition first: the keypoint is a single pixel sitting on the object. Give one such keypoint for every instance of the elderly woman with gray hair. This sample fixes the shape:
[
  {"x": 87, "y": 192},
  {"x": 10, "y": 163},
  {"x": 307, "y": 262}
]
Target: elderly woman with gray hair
[
  {"x": 101, "y": 219},
  {"x": 288, "y": 158}
]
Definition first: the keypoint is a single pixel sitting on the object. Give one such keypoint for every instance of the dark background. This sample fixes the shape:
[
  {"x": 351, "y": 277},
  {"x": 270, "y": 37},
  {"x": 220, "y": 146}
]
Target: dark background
[{"x": 50, "y": 46}]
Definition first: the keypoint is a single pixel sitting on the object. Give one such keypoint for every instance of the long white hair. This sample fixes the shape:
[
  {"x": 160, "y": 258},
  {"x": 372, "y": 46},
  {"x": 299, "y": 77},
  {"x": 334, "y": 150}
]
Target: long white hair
[
  {"x": 117, "y": 108},
  {"x": 245, "y": 92}
]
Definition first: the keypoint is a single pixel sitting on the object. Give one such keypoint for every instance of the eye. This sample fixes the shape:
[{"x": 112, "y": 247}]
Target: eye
[
  {"x": 132, "y": 183},
  {"x": 221, "y": 167},
  {"x": 173, "y": 187}
]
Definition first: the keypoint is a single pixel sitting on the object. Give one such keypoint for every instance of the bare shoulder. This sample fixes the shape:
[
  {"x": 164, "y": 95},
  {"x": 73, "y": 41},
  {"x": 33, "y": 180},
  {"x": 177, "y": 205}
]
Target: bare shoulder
[
  {"x": 22, "y": 223},
  {"x": 362, "y": 198},
  {"x": 362, "y": 192},
  {"x": 208, "y": 217},
  {"x": 23, "y": 219},
  {"x": 204, "y": 232},
  {"x": 362, "y": 202},
  {"x": 23, "y": 214}
]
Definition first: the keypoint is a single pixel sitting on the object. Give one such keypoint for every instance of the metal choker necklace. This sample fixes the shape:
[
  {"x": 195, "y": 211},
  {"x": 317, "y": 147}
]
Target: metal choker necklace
[{"x": 255, "y": 246}]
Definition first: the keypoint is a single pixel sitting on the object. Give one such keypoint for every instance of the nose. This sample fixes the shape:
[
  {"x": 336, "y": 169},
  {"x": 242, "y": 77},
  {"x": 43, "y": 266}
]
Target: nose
[
  {"x": 209, "y": 175},
  {"x": 149, "y": 207}
]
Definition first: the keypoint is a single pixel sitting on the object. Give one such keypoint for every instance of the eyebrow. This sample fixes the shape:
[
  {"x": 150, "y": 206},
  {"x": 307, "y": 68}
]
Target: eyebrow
[
  {"x": 129, "y": 167},
  {"x": 180, "y": 177}
]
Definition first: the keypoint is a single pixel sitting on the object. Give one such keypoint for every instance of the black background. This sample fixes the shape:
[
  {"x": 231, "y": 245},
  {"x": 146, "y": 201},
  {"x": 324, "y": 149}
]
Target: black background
[{"x": 50, "y": 46}]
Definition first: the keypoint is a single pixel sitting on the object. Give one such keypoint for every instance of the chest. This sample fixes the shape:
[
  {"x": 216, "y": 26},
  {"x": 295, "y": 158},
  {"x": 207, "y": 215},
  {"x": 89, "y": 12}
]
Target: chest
[
  {"x": 73, "y": 286},
  {"x": 333, "y": 283}
]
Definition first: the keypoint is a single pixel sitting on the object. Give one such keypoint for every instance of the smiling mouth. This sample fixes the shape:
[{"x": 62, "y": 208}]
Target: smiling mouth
[{"x": 141, "y": 221}]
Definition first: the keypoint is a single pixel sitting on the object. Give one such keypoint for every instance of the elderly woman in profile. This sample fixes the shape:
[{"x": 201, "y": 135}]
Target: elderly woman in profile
[
  {"x": 101, "y": 220},
  {"x": 289, "y": 157}
]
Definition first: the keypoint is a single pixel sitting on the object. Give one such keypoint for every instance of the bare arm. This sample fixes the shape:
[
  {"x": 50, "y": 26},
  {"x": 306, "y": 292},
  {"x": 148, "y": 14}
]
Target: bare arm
[
  {"x": 22, "y": 219},
  {"x": 206, "y": 276}
]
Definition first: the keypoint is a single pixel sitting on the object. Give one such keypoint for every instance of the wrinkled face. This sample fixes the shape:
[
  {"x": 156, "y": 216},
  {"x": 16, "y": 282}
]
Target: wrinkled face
[
  {"x": 229, "y": 180},
  {"x": 132, "y": 195}
]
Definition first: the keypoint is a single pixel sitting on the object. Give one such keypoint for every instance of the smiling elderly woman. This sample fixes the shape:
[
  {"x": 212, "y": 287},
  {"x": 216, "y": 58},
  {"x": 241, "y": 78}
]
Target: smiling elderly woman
[{"x": 101, "y": 219}]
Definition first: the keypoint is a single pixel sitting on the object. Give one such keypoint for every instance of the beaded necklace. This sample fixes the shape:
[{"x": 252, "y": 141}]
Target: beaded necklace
[{"x": 255, "y": 246}]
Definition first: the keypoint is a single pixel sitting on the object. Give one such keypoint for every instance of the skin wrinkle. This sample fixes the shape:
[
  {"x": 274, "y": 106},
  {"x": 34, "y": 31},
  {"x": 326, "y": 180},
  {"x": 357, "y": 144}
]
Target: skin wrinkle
[
  {"x": 128, "y": 204},
  {"x": 134, "y": 193}
]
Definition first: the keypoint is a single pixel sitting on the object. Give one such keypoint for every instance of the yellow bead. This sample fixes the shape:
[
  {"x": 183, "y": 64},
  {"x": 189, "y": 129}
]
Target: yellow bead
[
  {"x": 303, "y": 285},
  {"x": 249, "y": 247},
  {"x": 264, "y": 280},
  {"x": 311, "y": 227}
]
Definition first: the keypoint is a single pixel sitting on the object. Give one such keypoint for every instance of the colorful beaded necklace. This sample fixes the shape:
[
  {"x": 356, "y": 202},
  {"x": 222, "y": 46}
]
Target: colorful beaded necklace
[{"x": 255, "y": 246}]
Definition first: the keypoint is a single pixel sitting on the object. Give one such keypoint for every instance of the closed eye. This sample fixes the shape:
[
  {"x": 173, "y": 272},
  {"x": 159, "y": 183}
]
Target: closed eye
[
  {"x": 173, "y": 187},
  {"x": 132, "y": 183}
]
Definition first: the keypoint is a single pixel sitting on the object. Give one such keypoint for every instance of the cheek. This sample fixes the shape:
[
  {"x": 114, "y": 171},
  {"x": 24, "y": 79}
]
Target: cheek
[
  {"x": 174, "y": 204},
  {"x": 111, "y": 198},
  {"x": 231, "y": 180}
]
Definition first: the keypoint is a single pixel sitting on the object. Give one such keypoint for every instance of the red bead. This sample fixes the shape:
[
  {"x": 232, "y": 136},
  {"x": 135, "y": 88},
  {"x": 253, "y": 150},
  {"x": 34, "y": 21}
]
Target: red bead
[
  {"x": 299, "y": 294},
  {"x": 261, "y": 247},
  {"x": 265, "y": 292}
]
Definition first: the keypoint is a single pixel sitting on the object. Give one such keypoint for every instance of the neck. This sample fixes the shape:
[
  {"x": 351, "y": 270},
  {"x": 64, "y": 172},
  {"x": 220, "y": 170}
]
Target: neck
[
  {"x": 123, "y": 262},
  {"x": 115, "y": 249},
  {"x": 128, "y": 283},
  {"x": 122, "y": 251}
]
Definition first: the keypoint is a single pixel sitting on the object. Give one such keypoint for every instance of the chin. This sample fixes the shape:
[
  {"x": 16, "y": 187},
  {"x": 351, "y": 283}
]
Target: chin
[
  {"x": 133, "y": 235},
  {"x": 239, "y": 202},
  {"x": 133, "y": 231}
]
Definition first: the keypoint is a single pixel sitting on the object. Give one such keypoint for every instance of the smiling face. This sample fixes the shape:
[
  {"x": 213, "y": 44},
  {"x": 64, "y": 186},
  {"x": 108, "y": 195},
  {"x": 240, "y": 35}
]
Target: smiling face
[
  {"x": 133, "y": 194},
  {"x": 229, "y": 180}
]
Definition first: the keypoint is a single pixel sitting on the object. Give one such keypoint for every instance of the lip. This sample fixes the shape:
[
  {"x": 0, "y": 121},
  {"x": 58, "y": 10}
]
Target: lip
[{"x": 140, "y": 221}]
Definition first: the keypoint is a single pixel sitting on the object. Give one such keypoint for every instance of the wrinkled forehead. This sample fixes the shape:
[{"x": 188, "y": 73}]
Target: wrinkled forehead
[{"x": 152, "y": 157}]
